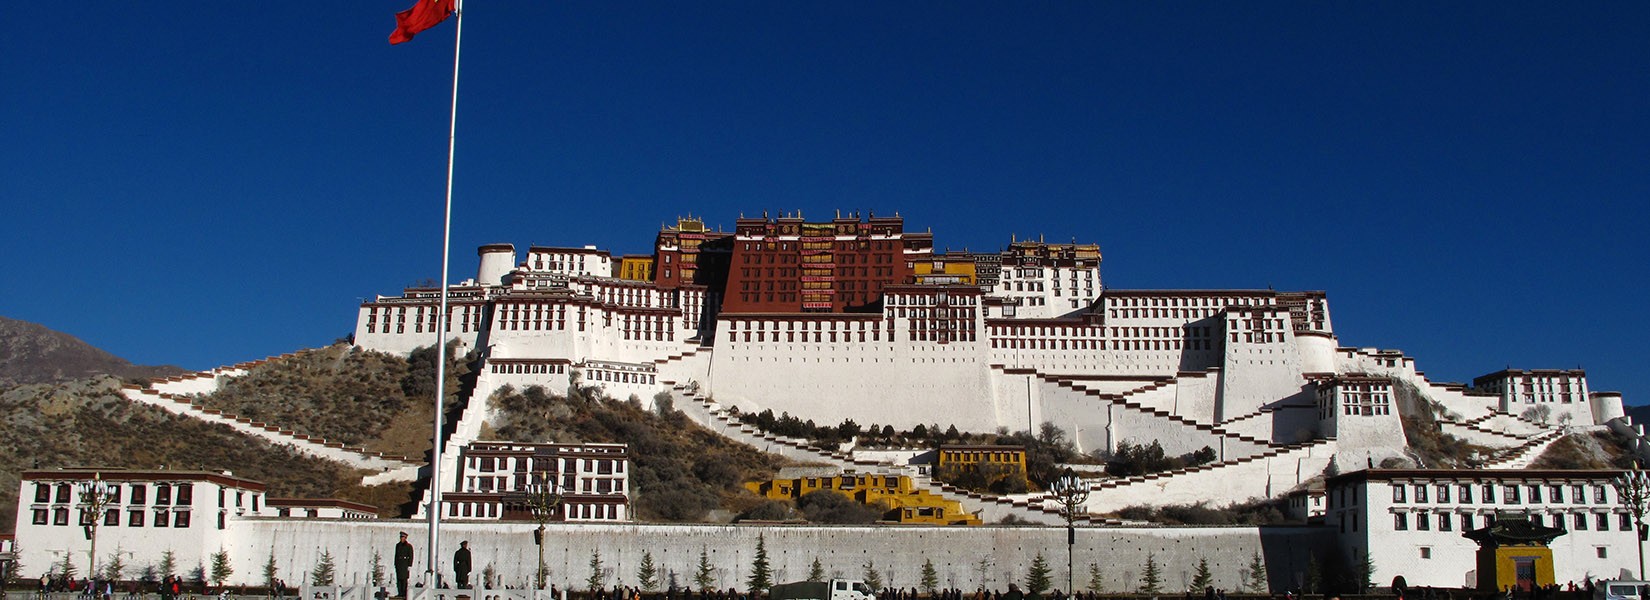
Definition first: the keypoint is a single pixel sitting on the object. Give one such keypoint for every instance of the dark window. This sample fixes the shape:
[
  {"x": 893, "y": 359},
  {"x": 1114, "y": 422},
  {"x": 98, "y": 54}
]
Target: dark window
[
  {"x": 180, "y": 519},
  {"x": 60, "y": 516},
  {"x": 42, "y": 493},
  {"x": 1601, "y": 521},
  {"x": 40, "y": 516},
  {"x": 111, "y": 518},
  {"x": 186, "y": 494},
  {"x": 1400, "y": 521},
  {"x": 163, "y": 494},
  {"x": 134, "y": 518},
  {"x": 138, "y": 492},
  {"x": 65, "y": 495},
  {"x": 1581, "y": 522},
  {"x": 160, "y": 518}
]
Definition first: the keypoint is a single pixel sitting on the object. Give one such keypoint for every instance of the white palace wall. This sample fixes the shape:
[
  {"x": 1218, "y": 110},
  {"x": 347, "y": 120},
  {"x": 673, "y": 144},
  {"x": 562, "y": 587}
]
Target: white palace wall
[
  {"x": 898, "y": 553},
  {"x": 901, "y": 384}
]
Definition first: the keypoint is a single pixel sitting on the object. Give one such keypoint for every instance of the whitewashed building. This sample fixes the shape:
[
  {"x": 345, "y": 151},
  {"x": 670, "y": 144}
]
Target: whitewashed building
[
  {"x": 1411, "y": 521},
  {"x": 149, "y": 512}
]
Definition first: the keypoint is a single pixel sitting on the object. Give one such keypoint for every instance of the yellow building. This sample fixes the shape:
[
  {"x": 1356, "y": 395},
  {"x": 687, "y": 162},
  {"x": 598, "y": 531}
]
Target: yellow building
[
  {"x": 906, "y": 503},
  {"x": 961, "y": 455},
  {"x": 636, "y": 267},
  {"x": 945, "y": 269}
]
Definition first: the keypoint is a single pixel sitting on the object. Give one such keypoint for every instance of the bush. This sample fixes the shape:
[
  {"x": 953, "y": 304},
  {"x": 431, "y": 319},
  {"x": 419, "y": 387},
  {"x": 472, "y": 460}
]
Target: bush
[{"x": 825, "y": 506}]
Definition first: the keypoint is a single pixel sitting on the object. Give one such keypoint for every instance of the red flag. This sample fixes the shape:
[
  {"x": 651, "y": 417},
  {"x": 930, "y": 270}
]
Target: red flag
[{"x": 424, "y": 15}]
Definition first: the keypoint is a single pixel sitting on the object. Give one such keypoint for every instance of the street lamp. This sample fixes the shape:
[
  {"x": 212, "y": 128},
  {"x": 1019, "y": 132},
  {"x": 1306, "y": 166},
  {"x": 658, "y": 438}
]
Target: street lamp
[
  {"x": 95, "y": 498},
  {"x": 1633, "y": 491},
  {"x": 1071, "y": 492},
  {"x": 543, "y": 498}
]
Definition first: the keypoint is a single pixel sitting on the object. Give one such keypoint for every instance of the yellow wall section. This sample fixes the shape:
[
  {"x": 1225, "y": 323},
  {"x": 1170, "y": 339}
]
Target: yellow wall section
[{"x": 909, "y": 505}]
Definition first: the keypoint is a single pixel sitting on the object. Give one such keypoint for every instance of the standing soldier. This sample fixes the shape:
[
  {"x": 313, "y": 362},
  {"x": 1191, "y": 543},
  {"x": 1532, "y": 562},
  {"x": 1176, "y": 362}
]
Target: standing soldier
[
  {"x": 461, "y": 564},
  {"x": 403, "y": 564}
]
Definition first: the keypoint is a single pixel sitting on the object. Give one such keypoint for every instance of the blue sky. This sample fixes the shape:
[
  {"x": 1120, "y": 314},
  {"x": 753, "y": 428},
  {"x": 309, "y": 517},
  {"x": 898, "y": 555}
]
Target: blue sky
[{"x": 202, "y": 183}]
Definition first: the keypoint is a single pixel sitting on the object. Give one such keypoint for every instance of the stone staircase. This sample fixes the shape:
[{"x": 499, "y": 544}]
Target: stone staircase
[
  {"x": 177, "y": 395},
  {"x": 708, "y": 413},
  {"x": 1125, "y": 400}
]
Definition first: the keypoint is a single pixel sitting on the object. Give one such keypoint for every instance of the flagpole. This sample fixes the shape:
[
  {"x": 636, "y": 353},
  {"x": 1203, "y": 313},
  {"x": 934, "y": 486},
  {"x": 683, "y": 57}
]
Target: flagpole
[{"x": 443, "y": 322}]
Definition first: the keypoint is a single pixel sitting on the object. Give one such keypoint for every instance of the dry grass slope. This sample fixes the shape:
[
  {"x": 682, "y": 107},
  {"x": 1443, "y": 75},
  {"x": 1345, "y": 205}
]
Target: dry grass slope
[
  {"x": 680, "y": 470},
  {"x": 88, "y": 423}
]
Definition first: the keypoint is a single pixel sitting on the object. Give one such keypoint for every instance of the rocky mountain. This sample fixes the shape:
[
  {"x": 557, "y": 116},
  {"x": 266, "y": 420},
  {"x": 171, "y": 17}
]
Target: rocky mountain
[{"x": 30, "y": 353}]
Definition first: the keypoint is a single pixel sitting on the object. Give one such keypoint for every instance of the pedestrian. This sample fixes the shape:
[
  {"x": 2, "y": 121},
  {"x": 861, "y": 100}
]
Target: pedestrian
[
  {"x": 403, "y": 565},
  {"x": 461, "y": 565}
]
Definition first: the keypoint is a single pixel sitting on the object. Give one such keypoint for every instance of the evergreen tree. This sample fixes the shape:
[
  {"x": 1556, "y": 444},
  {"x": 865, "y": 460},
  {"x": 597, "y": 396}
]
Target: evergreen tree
[
  {"x": 1097, "y": 583},
  {"x": 1038, "y": 579},
  {"x": 1151, "y": 581},
  {"x": 323, "y": 573},
  {"x": 872, "y": 577},
  {"x": 376, "y": 571},
  {"x": 761, "y": 575},
  {"x": 984, "y": 569},
  {"x": 705, "y": 575},
  {"x": 647, "y": 575},
  {"x": 168, "y": 564},
  {"x": 930, "y": 578},
  {"x": 594, "y": 581},
  {"x": 114, "y": 569},
  {"x": 1202, "y": 578},
  {"x": 269, "y": 570},
  {"x": 1364, "y": 572},
  {"x": 149, "y": 574},
  {"x": 66, "y": 568},
  {"x": 220, "y": 567},
  {"x": 1314, "y": 575},
  {"x": 1254, "y": 576},
  {"x": 197, "y": 575},
  {"x": 816, "y": 571}
]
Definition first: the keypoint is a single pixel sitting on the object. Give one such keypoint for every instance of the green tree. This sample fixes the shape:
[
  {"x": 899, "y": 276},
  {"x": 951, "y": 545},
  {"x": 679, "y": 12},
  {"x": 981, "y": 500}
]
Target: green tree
[
  {"x": 816, "y": 571},
  {"x": 930, "y": 578},
  {"x": 1314, "y": 575},
  {"x": 705, "y": 575},
  {"x": 596, "y": 578},
  {"x": 66, "y": 568},
  {"x": 1151, "y": 580},
  {"x": 220, "y": 567},
  {"x": 1097, "y": 583},
  {"x": 761, "y": 575},
  {"x": 647, "y": 575},
  {"x": 1364, "y": 572},
  {"x": 114, "y": 568},
  {"x": 1202, "y": 578},
  {"x": 168, "y": 564},
  {"x": 872, "y": 577},
  {"x": 324, "y": 570},
  {"x": 1254, "y": 576},
  {"x": 269, "y": 570},
  {"x": 1038, "y": 579},
  {"x": 376, "y": 571},
  {"x": 983, "y": 568}
]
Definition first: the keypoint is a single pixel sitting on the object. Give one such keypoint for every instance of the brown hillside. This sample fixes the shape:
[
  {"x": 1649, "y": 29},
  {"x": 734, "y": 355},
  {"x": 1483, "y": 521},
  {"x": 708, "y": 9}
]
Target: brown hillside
[
  {"x": 88, "y": 423},
  {"x": 31, "y": 353}
]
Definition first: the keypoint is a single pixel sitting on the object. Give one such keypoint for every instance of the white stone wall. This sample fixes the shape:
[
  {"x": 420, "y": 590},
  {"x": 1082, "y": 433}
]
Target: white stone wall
[
  {"x": 897, "y": 553},
  {"x": 1220, "y": 485}
]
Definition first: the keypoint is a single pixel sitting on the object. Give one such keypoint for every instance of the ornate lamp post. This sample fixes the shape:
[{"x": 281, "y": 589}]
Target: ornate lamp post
[
  {"x": 1071, "y": 492},
  {"x": 1633, "y": 491},
  {"x": 95, "y": 498},
  {"x": 543, "y": 498}
]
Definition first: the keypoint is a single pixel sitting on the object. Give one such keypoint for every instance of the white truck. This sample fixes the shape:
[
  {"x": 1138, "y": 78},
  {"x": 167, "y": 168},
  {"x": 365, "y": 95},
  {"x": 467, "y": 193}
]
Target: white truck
[{"x": 834, "y": 589}]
